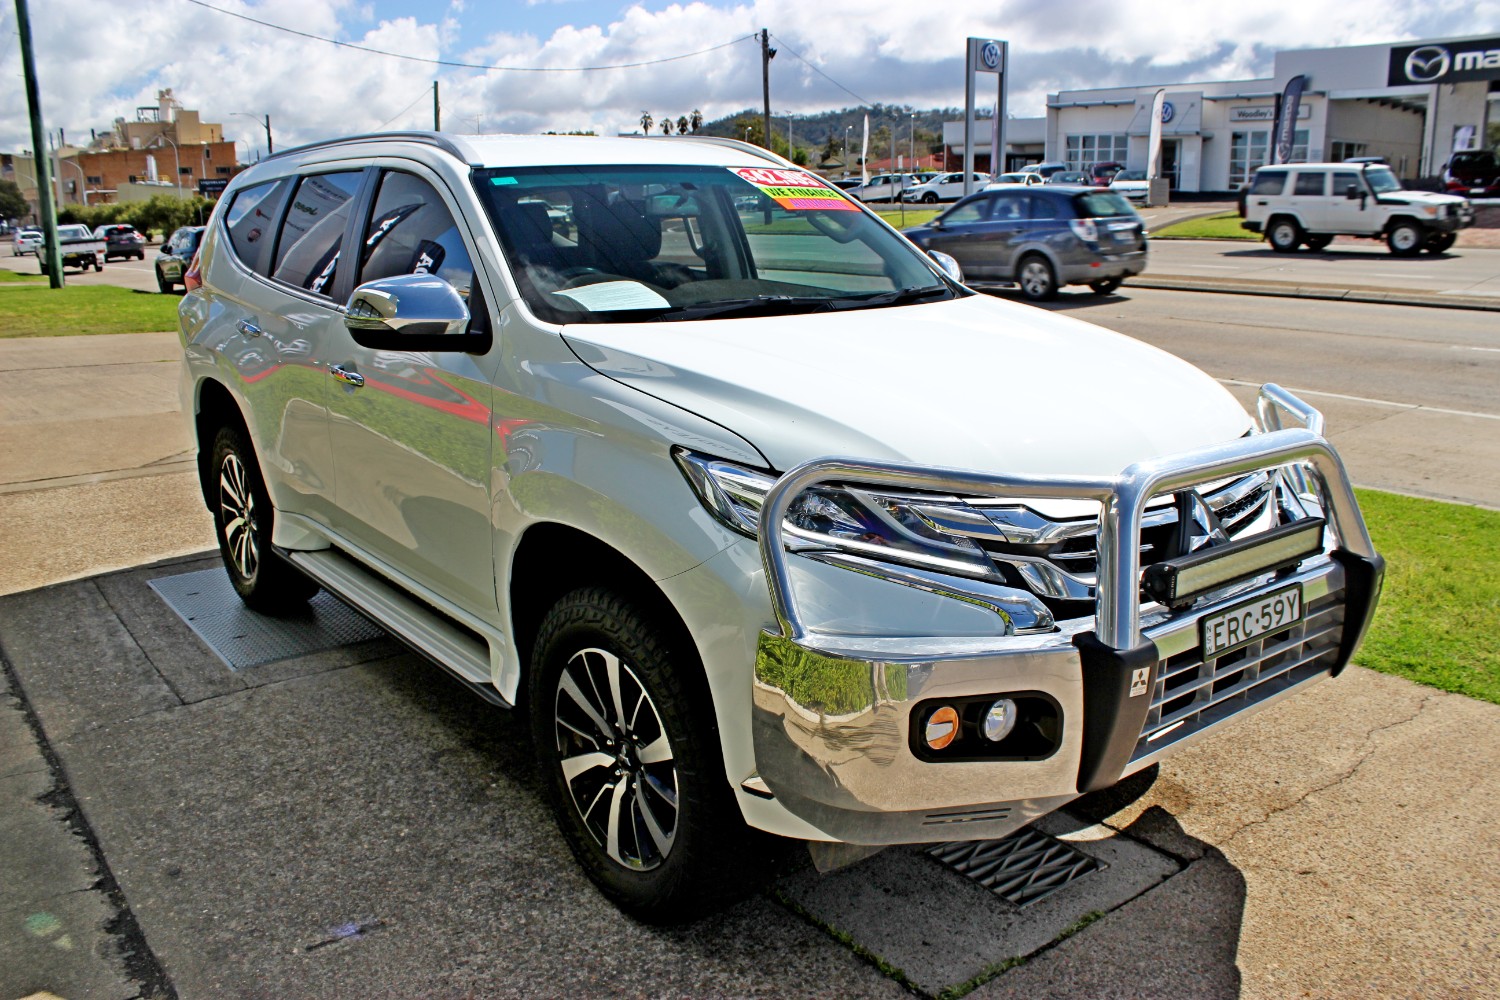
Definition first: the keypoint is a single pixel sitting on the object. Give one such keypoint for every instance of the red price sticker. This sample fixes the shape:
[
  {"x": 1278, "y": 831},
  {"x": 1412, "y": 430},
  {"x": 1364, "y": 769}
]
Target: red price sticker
[{"x": 795, "y": 190}]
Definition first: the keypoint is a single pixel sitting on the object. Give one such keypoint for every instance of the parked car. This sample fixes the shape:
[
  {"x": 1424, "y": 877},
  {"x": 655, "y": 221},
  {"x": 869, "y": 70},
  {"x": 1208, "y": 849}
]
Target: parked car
[
  {"x": 588, "y": 475},
  {"x": 1102, "y": 173},
  {"x": 1475, "y": 173},
  {"x": 845, "y": 183},
  {"x": 1311, "y": 203},
  {"x": 1040, "y": 238},
  {"x": 175, "y": 256},
  {"x": 26, "y": 241},
  {"x": 1075, "y": 177},
  {"x": 79, "y": 248},
  {"x": 1131, "y": 184},
  {"x": 121, "y": 241},
  {"x": 1046, "y": 169},
  {"x": 945, "y": 187},
  {"x": 1024, "y": 178},
  {"x": 883, "y": 187}
]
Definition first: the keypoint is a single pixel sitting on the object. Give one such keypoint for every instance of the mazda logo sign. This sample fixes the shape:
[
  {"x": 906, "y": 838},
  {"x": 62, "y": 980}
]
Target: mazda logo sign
[{"x": 1428, "y": 63}]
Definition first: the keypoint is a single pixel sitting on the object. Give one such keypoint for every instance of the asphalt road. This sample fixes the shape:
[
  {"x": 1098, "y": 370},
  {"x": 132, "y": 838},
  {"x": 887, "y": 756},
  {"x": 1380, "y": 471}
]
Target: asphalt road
[{"x": 139, "y": 274}]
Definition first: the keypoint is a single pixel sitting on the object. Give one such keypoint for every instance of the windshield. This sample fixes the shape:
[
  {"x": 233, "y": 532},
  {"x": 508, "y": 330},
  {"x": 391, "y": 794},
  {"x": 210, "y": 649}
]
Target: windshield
[
  {"x": 75, "y": 232},
  {"x": 1131, "y": 175},
  {"x": 613, "y": 244},
  {"x": 1381, "y": 180}
]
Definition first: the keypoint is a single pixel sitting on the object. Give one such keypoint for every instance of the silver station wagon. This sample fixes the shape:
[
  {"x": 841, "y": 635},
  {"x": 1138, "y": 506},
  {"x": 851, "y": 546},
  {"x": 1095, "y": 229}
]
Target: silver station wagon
[{"x": 771, "y": 527}]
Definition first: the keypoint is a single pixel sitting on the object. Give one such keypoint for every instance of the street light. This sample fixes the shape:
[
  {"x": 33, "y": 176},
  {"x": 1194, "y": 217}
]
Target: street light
[
  {"x": 246, "y": 114},
  {"x": 176, "y": 162},
  {"x": 83, "y": 181},
  {"x": 911, "y": 150},
  {"x": 747, "y": 133},
  {"x": 847, "y": 130}
]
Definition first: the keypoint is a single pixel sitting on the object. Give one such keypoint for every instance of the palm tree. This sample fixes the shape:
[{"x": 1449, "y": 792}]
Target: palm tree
[
  {"x": 666, "y": 126},
  {"x": 646, "y": 122},
  {"x": 682, "y": 125},
  {"x": 697, "y": 120}
]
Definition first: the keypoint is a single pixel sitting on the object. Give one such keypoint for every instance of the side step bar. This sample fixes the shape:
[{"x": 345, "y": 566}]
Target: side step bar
[{"x": 437, "y": 636}]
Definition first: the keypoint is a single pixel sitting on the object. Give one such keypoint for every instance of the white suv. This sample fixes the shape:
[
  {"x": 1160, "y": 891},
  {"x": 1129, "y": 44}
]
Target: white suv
[
  {"x": 1311, "y": 203},
  {"x": 766, "y": 523}
]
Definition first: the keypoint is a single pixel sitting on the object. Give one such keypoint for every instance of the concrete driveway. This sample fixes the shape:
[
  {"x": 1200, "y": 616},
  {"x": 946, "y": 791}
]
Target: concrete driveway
[{"x": 348, "y": 822}]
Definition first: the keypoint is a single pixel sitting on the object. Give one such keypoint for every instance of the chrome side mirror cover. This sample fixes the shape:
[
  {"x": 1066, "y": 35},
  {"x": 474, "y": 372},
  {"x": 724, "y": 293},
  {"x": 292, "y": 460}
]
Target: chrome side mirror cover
[
  {"x": 406, "y": 306},
  {"x": 948, "y": 264}
]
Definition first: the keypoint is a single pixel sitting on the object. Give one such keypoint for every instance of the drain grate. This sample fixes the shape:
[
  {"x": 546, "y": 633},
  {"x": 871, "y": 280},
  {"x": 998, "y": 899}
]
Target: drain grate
[
  {"x": 1023, "y": 868},
  {"x": 242, "y": 638}
]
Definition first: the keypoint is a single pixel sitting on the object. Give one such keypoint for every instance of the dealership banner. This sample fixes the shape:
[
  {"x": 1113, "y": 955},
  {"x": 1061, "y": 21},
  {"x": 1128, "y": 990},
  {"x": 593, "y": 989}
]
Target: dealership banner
[
  {"x": 1444, "y": 62},
  {"x": 1153, "y": 140},
  {"x": 1286, "y": 120}
]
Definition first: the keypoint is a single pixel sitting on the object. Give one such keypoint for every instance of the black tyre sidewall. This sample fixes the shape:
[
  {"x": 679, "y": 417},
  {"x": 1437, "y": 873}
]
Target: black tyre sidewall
[
  {"x": 275, "y": 587},
  {"x": 699, "y": 871},
  {"x": 1417, "y": 243}
]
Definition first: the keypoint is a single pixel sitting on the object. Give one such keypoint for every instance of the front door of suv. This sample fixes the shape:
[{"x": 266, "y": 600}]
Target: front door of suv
[
  {"x": 964, "y": 236},
  {"x": 410, "y": 429}
]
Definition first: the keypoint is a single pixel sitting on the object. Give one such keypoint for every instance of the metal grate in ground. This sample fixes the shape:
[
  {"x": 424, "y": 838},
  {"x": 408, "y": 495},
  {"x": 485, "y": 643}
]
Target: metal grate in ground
[
  {"x": 242, "y": 638},
  {"x": 1023, "y": 868}
]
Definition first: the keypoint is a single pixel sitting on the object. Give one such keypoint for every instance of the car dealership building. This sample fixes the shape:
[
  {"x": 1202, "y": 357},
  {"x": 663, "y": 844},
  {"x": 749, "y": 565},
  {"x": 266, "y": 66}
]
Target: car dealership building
[{"x": 1413, "y": 103}]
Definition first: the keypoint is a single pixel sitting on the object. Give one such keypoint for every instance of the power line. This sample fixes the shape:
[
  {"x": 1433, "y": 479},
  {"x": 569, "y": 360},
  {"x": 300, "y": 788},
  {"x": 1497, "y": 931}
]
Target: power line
[
  {"x": 814, "y": 69},
  {"x": 404, "y": 110},
  {"x": 464, "y": 65}
]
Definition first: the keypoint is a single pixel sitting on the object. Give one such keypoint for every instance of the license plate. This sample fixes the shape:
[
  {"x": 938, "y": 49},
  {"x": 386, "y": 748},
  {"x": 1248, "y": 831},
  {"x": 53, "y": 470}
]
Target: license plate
[{"x": 1253, "y": 619}]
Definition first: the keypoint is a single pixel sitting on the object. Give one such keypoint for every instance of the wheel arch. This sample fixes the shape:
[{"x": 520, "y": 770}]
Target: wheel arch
[
  {"x": 1399, "y": 220},
  {"x": 214, "y": 407}
]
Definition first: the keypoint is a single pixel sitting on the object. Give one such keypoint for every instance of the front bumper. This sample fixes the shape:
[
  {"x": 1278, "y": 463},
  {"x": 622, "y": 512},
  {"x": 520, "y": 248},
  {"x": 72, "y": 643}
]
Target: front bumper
[{"x": 834, "y": 713}]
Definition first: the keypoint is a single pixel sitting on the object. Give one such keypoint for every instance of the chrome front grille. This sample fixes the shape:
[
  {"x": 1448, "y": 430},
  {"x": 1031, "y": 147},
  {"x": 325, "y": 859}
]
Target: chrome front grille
[{"x": 1192, "y": 693}]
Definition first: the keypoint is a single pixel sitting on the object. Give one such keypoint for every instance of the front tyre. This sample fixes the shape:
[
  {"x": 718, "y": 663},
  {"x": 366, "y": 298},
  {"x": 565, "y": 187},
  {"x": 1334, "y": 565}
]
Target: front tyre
[
  {"x": 1405, "y": 239},
  {"x": 243, "y": 518},
  {"x": 630, "y": 759}
]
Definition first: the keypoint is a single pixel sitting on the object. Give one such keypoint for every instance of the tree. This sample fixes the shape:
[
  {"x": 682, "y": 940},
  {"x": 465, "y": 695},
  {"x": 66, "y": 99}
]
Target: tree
[
  {"x": 682, "y": 125},
  {"x": 696, "y": 120},
  {"x": 666, "y": 126},
  {"x": 646, "y": 122},
  {"x": 13, "y": 204}
]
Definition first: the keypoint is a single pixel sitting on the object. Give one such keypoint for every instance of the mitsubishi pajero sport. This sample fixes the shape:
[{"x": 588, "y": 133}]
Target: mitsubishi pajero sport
[{"x": 767, "y": 523}]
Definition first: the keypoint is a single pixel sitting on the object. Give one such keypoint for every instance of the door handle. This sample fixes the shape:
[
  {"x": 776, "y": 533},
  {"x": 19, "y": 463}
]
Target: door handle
[
  {"x": 346, "y": 376},
  {"x": 248, "y": 328}
]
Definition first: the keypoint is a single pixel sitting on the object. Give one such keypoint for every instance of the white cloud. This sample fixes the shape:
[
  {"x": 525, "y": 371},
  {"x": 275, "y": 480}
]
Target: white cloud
[{"x": 894, "y": 52}]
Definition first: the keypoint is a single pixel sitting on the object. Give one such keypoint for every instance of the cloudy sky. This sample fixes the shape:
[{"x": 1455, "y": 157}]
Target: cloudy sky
[{"x": 100, "y": 59}]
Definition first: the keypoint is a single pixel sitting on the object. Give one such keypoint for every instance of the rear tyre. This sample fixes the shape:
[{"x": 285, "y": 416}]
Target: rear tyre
[
  {"x": 1318, "y": 243},
  {"x": 1037, "y": 279},
  {"x": 629, "y": 754},
  {"x": 930, "y": 197},
  {"x": 1440, "y": 243},
  {"x": 1285, "y": 236},
  {"x": 1105, "y": 285},
  {"x": 1405, "y": 239},
  {"x": 162, "y": 284},
  {"x": 244, "y": 517}
]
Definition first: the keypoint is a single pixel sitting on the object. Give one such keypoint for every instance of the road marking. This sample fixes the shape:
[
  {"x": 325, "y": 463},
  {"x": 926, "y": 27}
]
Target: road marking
[
  {"x": 1465, "y": 347},
  {"x": 1367, "y": 399}
]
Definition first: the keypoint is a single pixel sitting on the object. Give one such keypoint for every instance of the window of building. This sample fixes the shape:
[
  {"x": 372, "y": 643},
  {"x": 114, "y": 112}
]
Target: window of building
[
  {"x": 1341, "y": 150},
  {"x": 1083, "y": 150},
  {"x": 1247, "y": 151},
  {"x": 185, "y": 171},
  {"x": 222, "y": 171},
  {"x": 96, "y": 180},
  {"x": 133, "y": 178}
]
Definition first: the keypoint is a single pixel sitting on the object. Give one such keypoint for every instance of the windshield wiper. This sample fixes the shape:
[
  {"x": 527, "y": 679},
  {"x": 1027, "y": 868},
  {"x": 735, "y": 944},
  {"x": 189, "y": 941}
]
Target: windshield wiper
[
  {"x": 900, "y": 297},
  {"x": 759, "y": 305}
]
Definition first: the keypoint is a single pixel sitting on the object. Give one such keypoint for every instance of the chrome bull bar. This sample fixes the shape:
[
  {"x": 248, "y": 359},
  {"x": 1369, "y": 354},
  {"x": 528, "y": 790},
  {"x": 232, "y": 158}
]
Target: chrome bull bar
[{"x": 1122, "y": 499}]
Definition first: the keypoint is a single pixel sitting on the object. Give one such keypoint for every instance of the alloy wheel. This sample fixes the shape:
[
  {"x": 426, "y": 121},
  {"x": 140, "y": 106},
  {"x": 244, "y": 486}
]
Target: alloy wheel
[
  {"x": 616, "y": 759},
  {"x": 1036, "y": 279},
  {"x": 237, "y": 515}
]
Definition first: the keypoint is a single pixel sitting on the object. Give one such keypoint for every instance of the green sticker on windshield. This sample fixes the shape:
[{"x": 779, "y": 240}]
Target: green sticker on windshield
[{"x": 503, "y": 180}]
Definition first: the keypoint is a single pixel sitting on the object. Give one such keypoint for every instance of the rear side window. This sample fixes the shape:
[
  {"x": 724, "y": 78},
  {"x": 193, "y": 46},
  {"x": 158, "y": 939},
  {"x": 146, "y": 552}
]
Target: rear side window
[
  {"x": 1268, "y": 182},
  {"x": 1309, "y": 183},
  {"x": 411, "y": 231},
  {"x": 1101, "y": 204},
  {"x": 1042, "y": 207},
  {"x": 251, "y": 217},
  {"x": 307, "y": 249}
]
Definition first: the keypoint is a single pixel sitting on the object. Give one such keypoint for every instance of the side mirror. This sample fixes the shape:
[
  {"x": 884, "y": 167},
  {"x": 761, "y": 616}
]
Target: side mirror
[
  {"x": 935, "y": 224},
  {"x": 409, "y": 312},
  {"x": 948, "y": 264},
  {"x": 1352, "y": 192}
]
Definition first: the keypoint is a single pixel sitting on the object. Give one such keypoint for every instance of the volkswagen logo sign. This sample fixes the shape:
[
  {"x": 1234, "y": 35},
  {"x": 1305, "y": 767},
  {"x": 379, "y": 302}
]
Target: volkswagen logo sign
[
  {"x": 1428, "y": 63},
  {"x": 989, "y": 53},
  {"x": 1167, "y": 111}
]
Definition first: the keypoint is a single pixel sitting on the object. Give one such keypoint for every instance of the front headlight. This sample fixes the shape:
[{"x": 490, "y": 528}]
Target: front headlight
[{"x": 888, "y": 528}]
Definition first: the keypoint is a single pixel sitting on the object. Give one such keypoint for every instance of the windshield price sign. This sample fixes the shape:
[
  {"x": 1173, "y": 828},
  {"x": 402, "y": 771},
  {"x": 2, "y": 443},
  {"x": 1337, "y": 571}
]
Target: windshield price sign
[{"x": 794, "y": 190}]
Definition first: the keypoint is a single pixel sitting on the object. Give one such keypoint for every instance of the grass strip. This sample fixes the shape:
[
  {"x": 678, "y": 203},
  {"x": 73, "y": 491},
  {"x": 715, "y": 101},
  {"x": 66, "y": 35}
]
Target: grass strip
[
  {"x": 1440, "y": 612},
  {"x": 8, "y": 277},
  {"x": 1224, "y": 226},
  {"x": 83, "y": 310},
  {"x": 847, "y": 940}
]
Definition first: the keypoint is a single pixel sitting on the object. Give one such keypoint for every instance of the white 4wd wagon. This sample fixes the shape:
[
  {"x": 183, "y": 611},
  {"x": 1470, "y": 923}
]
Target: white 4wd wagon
[
  {"x": 766, "y": 522},
  {"x": 1311, "y": 203}
]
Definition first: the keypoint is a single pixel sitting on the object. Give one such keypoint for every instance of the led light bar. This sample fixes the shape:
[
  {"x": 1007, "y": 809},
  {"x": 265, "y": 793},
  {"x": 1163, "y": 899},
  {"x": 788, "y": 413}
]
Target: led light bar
[{"x": 1178, "y": 581}]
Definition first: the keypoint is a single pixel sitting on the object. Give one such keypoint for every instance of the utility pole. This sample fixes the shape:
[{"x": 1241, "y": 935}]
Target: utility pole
[
  {"x": 269, "y": 148},
  {"x": 437, "y": 114},
  {"x": 766, "y": 55},
  {"x": 39, "y": 150}
]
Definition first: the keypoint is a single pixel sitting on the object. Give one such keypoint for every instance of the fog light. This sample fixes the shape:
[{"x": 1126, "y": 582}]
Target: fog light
[
  {"x": 999, "y": 720},
  {"x": 942, "y": 727}
]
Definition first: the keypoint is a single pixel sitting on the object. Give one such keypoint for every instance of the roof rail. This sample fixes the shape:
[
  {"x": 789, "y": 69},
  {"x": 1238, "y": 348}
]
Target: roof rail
[{"x": 438, "y": 139}]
